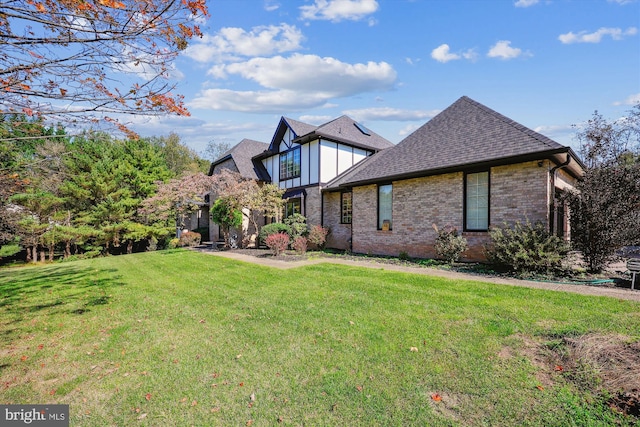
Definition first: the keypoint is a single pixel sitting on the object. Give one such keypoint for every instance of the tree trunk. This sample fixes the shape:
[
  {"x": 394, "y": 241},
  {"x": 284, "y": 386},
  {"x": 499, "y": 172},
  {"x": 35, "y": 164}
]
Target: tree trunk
[
  {"x": 51, "y": 250},
  {"x": 34, "y": 258},
  {"x": 130, "y": 247}
]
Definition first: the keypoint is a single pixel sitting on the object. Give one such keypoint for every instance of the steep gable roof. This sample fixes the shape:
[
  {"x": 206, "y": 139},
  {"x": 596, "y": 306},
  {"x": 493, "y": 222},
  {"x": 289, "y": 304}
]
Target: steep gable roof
[
  {"x": 242, "y": 154},
  {"x": 465, "y": 134},
  {"x": 345, "y": 129}
]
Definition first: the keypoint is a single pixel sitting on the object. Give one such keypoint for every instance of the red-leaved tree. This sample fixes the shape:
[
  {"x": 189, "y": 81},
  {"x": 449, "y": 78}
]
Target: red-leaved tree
[{"x": 89, "y": 59}]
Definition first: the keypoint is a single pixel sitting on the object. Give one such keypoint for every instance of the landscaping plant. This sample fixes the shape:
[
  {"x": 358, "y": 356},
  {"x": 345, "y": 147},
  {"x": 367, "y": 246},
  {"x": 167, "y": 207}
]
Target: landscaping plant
[
  {"x": 318, "y": 236},
  {"x": 526, "y": 247},
  {"x": 449, "y": 245},
  {"x": 278, "y": 243}
]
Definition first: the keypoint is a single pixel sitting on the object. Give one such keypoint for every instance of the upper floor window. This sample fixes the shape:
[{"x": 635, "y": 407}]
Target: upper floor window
[
  {"x": 476, "y": 201},
  {"x": 385, "y": 206},
  {"x": 346, "y": 208},
  {"x": 290, "y": 164}
]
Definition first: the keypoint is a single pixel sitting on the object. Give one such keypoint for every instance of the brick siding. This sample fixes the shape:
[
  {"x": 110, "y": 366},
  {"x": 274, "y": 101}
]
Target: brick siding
[{"x": 517, "y": 193}]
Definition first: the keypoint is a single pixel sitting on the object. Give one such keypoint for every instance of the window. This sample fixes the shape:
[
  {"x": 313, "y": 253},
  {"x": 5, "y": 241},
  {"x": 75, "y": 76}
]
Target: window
[
  {"x": 290, "y": 164},
  {"x": 345, "y": 210},
  {"x": 477, "y": 201},
  {"x": 385, "y": 205},
  {"x": 293, "y": 206}
]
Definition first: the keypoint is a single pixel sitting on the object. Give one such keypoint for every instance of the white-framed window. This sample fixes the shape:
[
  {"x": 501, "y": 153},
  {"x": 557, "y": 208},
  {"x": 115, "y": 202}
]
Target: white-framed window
[
  {"x": 476, "y": 201},
  {"x": 290, "y": 164}
]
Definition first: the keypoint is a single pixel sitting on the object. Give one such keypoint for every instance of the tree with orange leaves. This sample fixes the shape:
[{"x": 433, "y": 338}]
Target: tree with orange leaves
[{"x": 72, "y": 60}]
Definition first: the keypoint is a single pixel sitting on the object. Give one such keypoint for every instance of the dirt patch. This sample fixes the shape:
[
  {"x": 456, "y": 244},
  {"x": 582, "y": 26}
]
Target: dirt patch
[
  {"x": 611, "y": 364},
  {"x": 603, "y": 365}
]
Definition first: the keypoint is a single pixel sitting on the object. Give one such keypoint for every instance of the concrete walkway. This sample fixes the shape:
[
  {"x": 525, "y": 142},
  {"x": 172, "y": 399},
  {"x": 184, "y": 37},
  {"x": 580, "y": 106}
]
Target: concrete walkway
[{"x": 619, "y": 293}]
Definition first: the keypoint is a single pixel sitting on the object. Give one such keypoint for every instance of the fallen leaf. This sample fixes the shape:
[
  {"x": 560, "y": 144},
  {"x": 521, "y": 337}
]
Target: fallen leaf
[
  {"x": 194, "y": 403},
  {"x": 184, "y": 399},
  {"x": 280, "y": 419},
  {"x": 240, "y": 385},
  {"x": 413, "y": 349},
  {"x": 352, "y": 322},
  {"x": 558, "y": 368},
  {"x": 238, "y": 356},
  {"x": 436, "y": 397},
  {"x": 148, "y": 396},
  {"x": 216, "y": 409},
  {"x": 252, "y": 397},
  {"x": 24, "y": 358},
  {"x": 41, "y": 346},
  {"x": 250, "y": 422},
  {"x": 359, "y": 387},
  {"x": 539, "y": 387},
  {"x": 142, "y": 416}
]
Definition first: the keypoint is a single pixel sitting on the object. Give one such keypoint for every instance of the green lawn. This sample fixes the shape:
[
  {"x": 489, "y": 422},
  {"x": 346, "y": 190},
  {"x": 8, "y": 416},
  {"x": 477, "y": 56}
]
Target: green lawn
[{"x": 182, "y": 338}]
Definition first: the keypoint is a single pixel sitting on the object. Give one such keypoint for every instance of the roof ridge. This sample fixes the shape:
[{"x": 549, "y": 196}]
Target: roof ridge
[{"x": 510, "y": 122}]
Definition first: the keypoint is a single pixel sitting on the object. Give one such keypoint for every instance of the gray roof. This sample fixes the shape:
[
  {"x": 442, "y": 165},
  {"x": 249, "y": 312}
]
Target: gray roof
[
  {"x": 464, "y": 135},
  {"x": 242, "y": 154},
  {"x": 345, "y": 129}
]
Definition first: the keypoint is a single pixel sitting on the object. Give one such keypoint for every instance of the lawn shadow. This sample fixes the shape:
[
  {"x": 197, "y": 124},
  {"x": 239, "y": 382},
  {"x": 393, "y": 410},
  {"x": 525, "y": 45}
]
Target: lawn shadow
[{"x": 55, "y": 288}]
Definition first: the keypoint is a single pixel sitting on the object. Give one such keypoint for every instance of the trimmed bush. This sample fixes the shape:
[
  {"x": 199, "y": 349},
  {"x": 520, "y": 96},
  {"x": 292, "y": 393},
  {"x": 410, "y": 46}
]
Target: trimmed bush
[
  {"x": 318, "y": 236},
  {"x": 273, "y": 228},
  {"x": 298, "y": 225},
  {"x": 277, "y": 242},
  {"x": 189, "y": 238},
  {"x": 300, "y": 245},
  {"x": 449, "y": 245},
  {"x": 526, "y": 247}
]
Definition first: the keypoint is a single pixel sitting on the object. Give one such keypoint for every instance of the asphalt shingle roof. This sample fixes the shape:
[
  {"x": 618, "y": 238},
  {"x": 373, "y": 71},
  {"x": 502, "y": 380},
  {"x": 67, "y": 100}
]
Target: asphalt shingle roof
[
  {"x": 464, "y": 134},
  {"x": 242, "y": 153},
  {"x": 344, "y": 129}
]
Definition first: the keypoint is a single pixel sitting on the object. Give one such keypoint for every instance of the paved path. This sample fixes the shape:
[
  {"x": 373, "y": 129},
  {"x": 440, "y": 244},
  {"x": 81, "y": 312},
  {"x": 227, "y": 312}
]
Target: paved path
[{"x": 620, "y": 293}]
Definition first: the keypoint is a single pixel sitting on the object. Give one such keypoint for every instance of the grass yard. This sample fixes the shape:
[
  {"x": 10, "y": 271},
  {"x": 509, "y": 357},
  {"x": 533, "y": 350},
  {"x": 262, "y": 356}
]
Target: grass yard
[{"x": 182, "y": 338}]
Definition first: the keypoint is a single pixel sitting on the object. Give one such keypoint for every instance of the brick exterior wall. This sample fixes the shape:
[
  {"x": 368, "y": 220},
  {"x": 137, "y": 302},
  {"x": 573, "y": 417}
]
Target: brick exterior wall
[
  {"x": 517, "y": 193},
  {"x": 313, "y": 205},
  {"x": 340, "y": 234}
]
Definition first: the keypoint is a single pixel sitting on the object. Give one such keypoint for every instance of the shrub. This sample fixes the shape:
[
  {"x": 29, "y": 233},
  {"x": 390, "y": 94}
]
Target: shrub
[
  {"x": 526, "y": 247},
  {"x": 277, "y": 242},
  {"x": 298, "y": 225},
  {"x": 404, "y": 256},
  {"x": 449, "y": 245},
  {"x": 318, "y": 236},
  {"x": 189, "y": 238},
  {"x": 300, "y": 245},
  {"x": 273, "y": 228}
]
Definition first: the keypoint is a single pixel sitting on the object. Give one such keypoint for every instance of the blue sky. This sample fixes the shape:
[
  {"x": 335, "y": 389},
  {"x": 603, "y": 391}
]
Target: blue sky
[{"x": 394, "y": 64}]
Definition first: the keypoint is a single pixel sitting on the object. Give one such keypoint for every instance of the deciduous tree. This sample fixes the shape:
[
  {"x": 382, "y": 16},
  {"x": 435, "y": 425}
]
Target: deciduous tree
[{"x": 72, "y": 59}]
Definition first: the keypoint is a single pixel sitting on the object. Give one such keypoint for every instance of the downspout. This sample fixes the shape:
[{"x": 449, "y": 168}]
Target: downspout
[{"x": 553, "y": 208}]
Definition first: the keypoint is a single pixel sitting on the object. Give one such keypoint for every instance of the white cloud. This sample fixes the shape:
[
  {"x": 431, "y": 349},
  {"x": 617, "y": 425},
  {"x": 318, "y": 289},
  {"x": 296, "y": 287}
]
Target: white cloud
[
  {"x": 294, "y": 83},
  {"x": 390, "y": 114},
  {"x": 630, "y": 100},
  {"x": 622, "y": 1},
  {"x": 503, "y": 50},
  {"x": 270, "y": 5},
  {"x": 526, "y": 3},
  {"x": 312, "y": 73},
  {"x": 277, "y": 101},
  {"x": 407, "y": 130},
  {"x": 596, "y": 37},
  {"x": 339, "y": 10},
  {"x": 232, "y": 42},
  {"x": 442, "y": 54},
  {"x": 315, "y": 120}
]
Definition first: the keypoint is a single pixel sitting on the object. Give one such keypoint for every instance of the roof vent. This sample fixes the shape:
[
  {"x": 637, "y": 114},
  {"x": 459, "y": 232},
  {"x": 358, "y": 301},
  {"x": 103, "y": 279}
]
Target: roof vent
[{"x": 362, "y": 129}]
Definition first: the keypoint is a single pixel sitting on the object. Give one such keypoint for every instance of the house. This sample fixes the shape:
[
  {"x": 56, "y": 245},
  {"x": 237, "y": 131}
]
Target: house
[
  {"x": 302, "y": 158},
  {"x": 469, "y": 167},
  {"x": 237, "y": 159}
]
